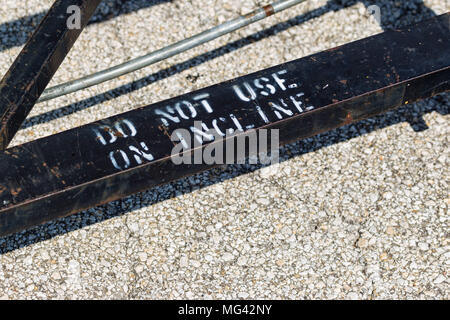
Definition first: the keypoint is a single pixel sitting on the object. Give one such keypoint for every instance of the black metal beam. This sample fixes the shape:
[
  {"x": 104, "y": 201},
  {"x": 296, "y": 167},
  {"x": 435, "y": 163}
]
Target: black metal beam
[
  {"x": 115, "y": 157},
  {"x": 38, "y": 61}
]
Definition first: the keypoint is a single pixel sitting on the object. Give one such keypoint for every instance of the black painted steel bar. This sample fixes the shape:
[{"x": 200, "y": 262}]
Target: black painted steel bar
[
  {"x": 106, "y": 160},
  {"x": 38, "y": 61},
  {"x": 169, "y": 51}
]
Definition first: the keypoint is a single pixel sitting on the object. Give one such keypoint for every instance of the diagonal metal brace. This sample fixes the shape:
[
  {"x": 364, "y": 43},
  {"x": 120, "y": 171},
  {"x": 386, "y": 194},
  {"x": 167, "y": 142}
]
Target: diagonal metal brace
[
  {"x": 109, "y": 159},
  {"x": 38, "y": 61}
]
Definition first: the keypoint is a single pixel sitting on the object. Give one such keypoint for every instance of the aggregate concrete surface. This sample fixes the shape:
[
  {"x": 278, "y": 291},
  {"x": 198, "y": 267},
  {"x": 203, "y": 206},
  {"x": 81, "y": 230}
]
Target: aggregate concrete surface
[{"x": 359, "y": 212}]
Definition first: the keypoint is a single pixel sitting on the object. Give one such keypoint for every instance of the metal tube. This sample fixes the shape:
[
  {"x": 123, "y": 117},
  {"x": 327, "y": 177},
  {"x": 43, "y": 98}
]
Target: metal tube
[{"x": 167, "y": 52}]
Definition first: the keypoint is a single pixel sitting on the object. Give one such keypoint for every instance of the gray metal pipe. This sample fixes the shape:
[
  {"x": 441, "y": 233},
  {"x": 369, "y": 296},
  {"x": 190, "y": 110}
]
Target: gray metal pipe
[{"x": 167, "y": 52}]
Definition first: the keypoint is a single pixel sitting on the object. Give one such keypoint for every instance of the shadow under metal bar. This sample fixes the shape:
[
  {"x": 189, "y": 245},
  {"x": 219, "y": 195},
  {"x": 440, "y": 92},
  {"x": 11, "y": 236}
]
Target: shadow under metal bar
[
  {"x": 36, "y": 64},
  {"x": 109, "y": 159}
]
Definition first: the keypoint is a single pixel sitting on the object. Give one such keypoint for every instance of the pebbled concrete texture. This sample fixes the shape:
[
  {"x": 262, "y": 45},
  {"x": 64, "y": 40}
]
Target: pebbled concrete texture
[{"x": 359, "y": 212}]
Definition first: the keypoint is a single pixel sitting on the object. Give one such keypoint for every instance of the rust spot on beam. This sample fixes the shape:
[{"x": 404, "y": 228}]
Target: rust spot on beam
[
  {"x": 269, "y": 10},
  {"x": 348, "y": 119}
]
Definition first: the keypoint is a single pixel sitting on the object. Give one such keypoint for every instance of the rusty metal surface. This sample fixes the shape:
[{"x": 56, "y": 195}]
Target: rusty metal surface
[
  {"x": 37, "y": 63},
  {"x": 72, "y": 171}
]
